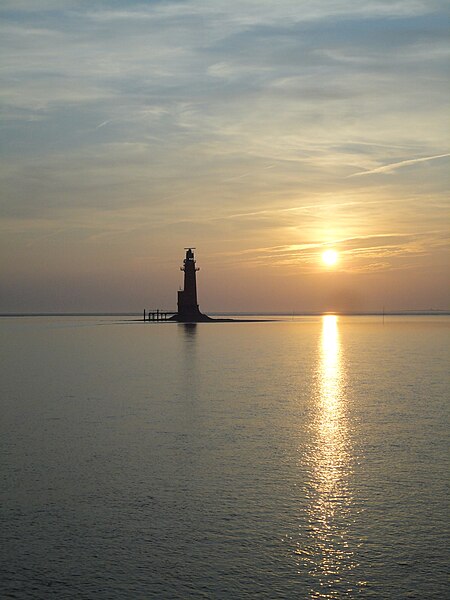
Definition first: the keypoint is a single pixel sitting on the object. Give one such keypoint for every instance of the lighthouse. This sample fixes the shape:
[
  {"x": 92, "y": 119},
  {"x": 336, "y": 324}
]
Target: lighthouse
[{"x": 188, "y": 310}]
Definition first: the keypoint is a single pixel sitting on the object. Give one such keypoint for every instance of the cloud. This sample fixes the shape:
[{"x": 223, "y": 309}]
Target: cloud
[
  {"x": 244, "y": 123},
  {"x": 398, "y": 165},
  {"x": 358, "y": 254}
]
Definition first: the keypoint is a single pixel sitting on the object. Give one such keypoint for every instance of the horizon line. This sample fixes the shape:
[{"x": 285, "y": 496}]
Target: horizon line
[{"x": 392, "y": 312}]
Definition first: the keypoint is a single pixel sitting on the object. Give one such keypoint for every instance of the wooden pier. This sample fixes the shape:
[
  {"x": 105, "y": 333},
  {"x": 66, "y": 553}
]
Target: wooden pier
[{"x": 158, "y": 315}]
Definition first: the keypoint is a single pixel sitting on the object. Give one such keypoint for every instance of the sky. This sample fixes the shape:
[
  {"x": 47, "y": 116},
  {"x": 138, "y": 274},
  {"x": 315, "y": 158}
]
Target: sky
[{"x": 262, "y": 133}]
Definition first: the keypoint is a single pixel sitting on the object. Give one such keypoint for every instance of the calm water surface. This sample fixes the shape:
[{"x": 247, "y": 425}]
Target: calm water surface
[{"x": 288, "y": 459}]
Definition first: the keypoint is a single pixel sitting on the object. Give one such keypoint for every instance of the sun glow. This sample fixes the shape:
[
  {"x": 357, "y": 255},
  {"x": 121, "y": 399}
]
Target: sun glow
[{"x": 330, "y": 257}]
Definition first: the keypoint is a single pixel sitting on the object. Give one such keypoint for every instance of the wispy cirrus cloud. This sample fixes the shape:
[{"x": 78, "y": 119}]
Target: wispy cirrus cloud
[
  {"x": 398, "y": 165},
  {"x": 358, "y": 254}
]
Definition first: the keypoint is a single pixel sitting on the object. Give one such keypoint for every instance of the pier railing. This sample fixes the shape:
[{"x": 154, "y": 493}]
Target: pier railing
[{"x": 158, "y": 314}]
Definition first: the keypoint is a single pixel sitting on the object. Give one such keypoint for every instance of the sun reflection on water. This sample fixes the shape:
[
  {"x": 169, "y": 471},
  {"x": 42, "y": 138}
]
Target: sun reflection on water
[{"x": 327, "y": 553}]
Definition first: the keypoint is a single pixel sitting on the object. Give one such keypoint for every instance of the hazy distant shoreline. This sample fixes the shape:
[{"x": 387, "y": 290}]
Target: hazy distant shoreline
[{"x": 436, "y": 312}]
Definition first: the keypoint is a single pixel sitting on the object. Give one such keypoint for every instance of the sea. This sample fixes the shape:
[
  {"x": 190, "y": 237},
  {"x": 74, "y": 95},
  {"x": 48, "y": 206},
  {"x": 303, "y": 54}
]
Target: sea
[{"x": 297, "y": 457}]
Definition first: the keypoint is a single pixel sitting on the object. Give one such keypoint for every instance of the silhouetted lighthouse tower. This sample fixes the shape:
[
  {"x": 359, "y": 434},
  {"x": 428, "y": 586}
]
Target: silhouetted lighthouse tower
[{"x": 188, "y": 309}]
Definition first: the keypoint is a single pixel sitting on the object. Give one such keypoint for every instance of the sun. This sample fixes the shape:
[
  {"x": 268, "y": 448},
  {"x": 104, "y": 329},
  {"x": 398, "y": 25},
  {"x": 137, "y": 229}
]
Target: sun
[{"x": 330, "y": 257}]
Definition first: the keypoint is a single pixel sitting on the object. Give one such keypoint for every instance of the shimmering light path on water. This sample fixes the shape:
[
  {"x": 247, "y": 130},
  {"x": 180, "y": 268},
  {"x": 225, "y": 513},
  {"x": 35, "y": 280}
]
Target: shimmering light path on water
[
  {"x": 291, "y": 459},
  {"x": 329, "y": 556}
]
